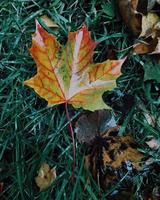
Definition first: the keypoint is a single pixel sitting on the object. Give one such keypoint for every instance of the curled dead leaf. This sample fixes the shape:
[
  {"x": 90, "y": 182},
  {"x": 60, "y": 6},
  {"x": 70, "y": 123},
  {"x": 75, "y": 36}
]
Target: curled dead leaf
[{"x": 46, "y": 176}]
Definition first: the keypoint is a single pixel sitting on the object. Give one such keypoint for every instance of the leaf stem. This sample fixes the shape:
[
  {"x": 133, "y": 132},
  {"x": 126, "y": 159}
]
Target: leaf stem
[{"x": 73, "y": 140}]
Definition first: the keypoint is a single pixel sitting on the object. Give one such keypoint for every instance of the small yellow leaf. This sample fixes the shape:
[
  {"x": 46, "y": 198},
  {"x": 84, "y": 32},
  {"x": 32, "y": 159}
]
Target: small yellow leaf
[
  {"x": 46, "y": 176},
  {"x": 48, "y": 21}
]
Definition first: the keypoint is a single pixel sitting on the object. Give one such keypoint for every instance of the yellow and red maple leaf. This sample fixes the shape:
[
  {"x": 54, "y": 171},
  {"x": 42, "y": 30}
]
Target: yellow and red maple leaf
[{"x": 67, "y": 74}]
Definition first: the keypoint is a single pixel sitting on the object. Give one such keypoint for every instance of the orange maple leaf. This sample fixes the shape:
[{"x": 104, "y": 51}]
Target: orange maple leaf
[{"x": 67, "y": 74}]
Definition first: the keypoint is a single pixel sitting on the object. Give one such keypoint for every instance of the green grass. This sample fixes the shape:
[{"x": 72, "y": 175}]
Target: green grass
[{"x": 32, "y": 133}]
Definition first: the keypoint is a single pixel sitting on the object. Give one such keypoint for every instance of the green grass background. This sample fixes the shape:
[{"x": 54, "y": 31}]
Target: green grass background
[{"x": 30, "y": 132}]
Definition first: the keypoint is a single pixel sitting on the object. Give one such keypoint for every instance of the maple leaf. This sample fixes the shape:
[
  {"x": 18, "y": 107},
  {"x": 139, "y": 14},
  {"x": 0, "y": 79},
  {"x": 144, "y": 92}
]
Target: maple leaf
[{"x": 67, "y": 74}]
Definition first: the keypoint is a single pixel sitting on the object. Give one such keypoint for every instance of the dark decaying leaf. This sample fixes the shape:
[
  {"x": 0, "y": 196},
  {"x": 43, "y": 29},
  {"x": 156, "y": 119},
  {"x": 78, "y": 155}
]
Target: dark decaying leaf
[
  {"x": 132, "y": 19},
  {"x": 92, "y": 124},
  {"x": 45, "y": 177},
  {"x": 110, "y": 157}
]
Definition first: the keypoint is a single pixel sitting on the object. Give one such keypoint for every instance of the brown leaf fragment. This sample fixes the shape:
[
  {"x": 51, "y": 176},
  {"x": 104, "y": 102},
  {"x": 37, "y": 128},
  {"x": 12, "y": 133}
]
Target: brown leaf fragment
[
  {"x": 107, "y": 155},
  {"x": 150, "y": 46},
  {"x": 45, "y": 177},
  {"x": 157, "y": 48},
  {"x": 153, "y": 144},
  {"x": 131, "y": 17},
  {"x": 148, "y": 23},
  {"x": 92, "y": 124}
]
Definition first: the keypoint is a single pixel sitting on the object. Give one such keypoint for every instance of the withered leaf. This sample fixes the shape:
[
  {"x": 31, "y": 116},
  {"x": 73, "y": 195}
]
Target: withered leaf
[
  {"x": 112, "y": 154},
  {"x": 148, "y": 46},
  {"x": 46, "y": 176},
  {"x": 148, "y": 23},
  {"x": 131, "y": 17},
  {"x": 50, "y": 23},
  {"x": 144, "y": 24}
]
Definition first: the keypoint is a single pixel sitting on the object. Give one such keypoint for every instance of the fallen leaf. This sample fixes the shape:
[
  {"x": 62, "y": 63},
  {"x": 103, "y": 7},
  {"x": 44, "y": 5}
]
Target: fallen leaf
[
  {"x": 67, "y": 74},
  {"x": 109, "y": 155},
  {"x": 148, "y": 23},
  {"x": 92, "y": 124},
  {"x": 128, "y": 11},
  {"x": 149, "y": 46},
  {"x": 46, "y": 176},
  {"x": 50, "y": 23},
  {"x": 145, "y": 25},
  {"x": 153, "y": 144}
]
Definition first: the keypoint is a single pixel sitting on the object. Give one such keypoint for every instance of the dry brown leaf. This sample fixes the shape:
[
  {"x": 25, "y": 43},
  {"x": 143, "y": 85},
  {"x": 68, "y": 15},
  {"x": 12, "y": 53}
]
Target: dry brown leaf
[
  {"x": 48, "y": 22},
  {"x": 150, "y": 30},
  {"x": 153, "y": 144},
  {"x": 46, "y": 176},
  {"x": 142, "y": 24},
  {"x": 131, "y": 17},
  {"x": 147, "y": 47}
]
